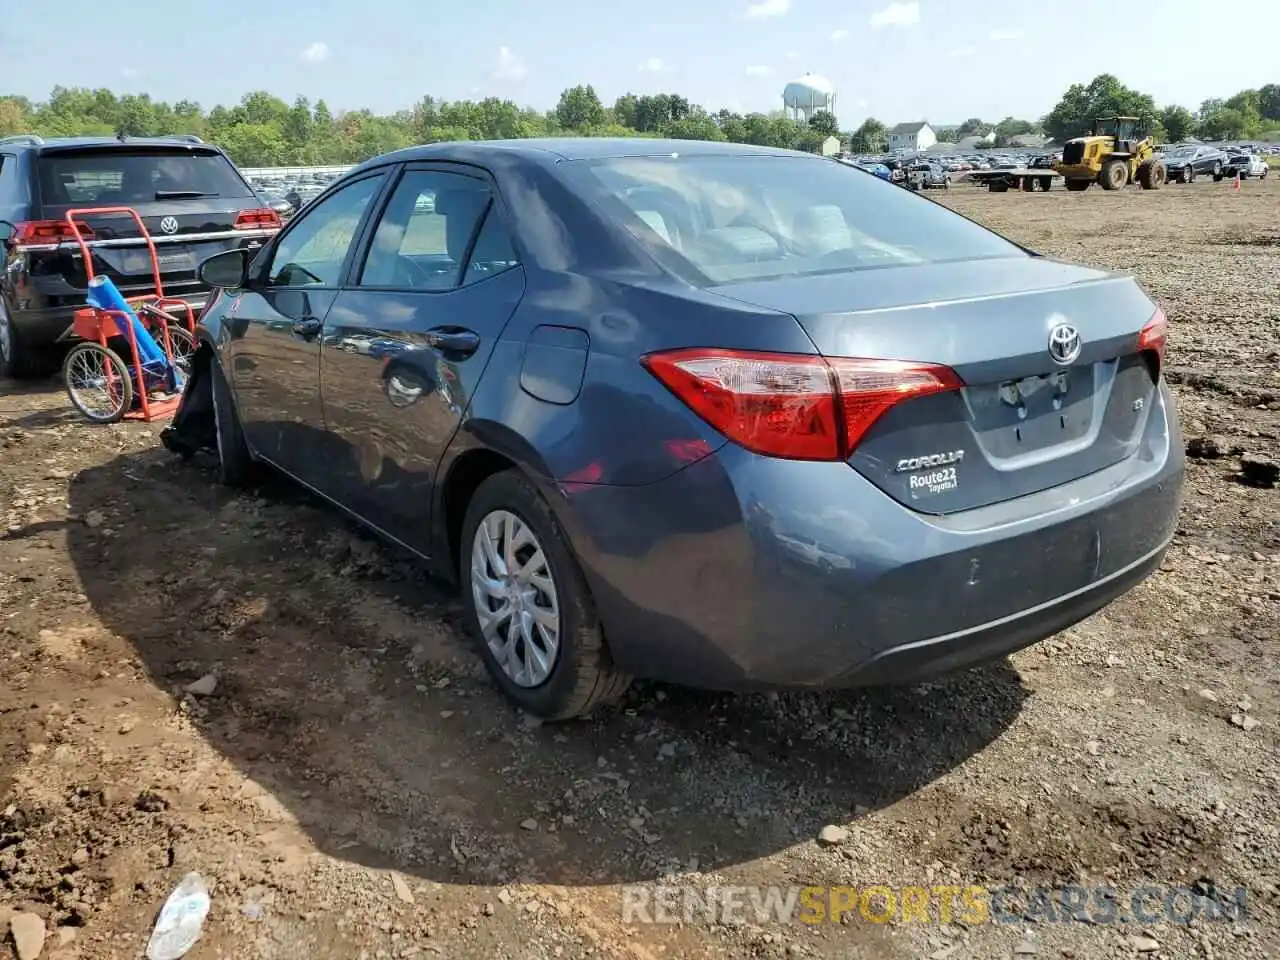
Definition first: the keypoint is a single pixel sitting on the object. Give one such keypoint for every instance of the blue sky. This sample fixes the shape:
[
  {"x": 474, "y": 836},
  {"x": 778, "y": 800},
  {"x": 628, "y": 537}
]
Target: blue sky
[{"x": 943, "y": 60}]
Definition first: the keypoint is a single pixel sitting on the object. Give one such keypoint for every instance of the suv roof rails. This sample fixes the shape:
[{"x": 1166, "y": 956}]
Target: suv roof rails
[{"x": 29, "y": 138}]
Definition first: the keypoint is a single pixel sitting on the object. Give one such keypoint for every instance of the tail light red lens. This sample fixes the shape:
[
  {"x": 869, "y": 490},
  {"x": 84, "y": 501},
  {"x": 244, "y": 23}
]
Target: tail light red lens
[
  {"x": 37, "y": 232},
  {"x": 1154, "y": 337},
  {"x": 263, "y": 218},
  {"x": 793, "y": 406}
]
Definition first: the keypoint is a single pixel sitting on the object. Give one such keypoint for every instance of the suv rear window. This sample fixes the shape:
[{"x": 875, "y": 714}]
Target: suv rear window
[
  {"x": 755, "y": 218},
  {"x": 111, "y": 177}
]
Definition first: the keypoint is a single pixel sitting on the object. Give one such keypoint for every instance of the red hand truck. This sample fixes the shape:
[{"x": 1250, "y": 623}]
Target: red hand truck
[{"x": 130, "y": 389}]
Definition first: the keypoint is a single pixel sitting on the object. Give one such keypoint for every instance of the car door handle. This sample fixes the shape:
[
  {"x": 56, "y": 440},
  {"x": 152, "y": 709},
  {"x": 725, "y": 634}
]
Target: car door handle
[
  {"x": 455, "y": 340},
  {"x": 308, "y": 328}
]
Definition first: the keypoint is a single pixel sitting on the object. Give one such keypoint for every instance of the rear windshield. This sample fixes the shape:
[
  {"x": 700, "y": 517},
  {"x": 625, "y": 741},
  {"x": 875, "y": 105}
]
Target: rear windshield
[
  {"x": 110, "y": 177},
  {"x": 754, "y": 218}
]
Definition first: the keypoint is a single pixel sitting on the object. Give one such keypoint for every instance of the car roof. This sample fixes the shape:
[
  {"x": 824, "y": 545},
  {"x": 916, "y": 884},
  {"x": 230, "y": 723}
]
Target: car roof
[{"x": 551, "y": 150}]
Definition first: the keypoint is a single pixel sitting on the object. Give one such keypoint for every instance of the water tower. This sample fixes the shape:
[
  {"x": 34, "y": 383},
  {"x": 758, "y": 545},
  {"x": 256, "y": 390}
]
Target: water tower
[{"x": 805, "y": 96}]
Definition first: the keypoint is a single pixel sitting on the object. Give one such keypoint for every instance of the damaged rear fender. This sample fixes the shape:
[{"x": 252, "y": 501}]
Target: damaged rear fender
[{"x": 193, "y": 427}]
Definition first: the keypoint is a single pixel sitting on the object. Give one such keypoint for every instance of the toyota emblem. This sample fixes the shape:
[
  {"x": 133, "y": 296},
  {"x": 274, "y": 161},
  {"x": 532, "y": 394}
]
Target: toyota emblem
[
  {"x": 1064, "y": 344},
  {"x": 169, "y": 225}
]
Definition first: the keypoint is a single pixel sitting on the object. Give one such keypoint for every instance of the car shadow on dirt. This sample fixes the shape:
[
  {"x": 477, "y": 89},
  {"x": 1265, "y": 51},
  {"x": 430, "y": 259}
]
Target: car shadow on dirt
[{"x": 345, "y": 692}]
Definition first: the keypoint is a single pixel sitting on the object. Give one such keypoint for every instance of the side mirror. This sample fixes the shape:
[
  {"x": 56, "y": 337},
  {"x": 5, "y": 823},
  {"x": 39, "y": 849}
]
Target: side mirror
[{"x": 228, "y": 270}]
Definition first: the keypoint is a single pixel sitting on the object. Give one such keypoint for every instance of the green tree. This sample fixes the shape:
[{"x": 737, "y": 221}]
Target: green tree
[
  {"x": 695, "y": 127},
  {"x": 824, "y": 122},
  {"x": 579, "y": 108},
  {"x": 1011, "y": 127},
  {"x": 871, "y": 137},
  {"x": 1179, "y": 123},
  {"x": 1269, "y": 102},
  {"x": 973, "y": 127},
  {"x": 1226, "y": 123},
  {"x": 1105, "y": 96}
]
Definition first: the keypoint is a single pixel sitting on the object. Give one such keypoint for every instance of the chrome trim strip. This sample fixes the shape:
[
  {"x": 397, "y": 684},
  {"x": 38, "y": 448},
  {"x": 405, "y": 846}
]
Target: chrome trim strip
[{"x": 139, "y": 242}]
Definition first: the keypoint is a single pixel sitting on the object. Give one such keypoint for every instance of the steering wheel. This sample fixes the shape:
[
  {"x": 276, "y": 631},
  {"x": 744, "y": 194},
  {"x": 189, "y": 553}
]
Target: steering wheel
[{"x": 409, "y": 273}]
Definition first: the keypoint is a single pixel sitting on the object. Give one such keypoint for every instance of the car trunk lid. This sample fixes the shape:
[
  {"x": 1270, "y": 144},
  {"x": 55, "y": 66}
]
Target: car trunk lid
[
  {"x": 189, "y": 199},
  {"x": 1023, "y": 421}
]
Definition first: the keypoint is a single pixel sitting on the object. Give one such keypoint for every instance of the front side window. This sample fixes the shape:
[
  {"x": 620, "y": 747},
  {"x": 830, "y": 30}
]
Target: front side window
[
  {"x": 426, "y": 230},
  {"x": 752, "y": 218},
  {"x": 311, "y": 254}
]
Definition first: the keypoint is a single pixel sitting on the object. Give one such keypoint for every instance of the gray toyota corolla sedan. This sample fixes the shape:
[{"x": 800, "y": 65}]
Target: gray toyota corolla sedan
[{"x": 707, "y": 413}]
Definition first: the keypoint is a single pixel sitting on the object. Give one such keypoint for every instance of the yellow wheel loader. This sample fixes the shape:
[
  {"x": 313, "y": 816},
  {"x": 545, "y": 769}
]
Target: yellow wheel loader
[{"x": 1113, "y": 155}]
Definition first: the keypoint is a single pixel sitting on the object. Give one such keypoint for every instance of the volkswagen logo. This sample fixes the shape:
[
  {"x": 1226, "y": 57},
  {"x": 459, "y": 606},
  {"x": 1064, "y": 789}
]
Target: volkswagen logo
[
  {"x": 169, "y": 225},
  {"x": 1064, "y": 344}
]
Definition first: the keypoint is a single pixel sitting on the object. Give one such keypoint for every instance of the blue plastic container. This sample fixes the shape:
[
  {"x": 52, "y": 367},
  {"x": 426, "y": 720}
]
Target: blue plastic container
[{"x": 104, "y": 295}]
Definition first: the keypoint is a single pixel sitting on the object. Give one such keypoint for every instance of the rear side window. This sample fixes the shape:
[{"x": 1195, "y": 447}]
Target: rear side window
[
  {"x": 754, "y": 218},
  {"x": 426, "y": 230},
  {"x": 121, "y": 177}
]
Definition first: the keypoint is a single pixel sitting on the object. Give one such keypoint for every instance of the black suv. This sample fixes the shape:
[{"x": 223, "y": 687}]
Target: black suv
[{"x": 189, "y": 194}]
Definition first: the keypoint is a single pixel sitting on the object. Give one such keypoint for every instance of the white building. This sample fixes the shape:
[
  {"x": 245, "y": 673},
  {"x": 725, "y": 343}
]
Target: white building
[{"x": 912, "y": 136}]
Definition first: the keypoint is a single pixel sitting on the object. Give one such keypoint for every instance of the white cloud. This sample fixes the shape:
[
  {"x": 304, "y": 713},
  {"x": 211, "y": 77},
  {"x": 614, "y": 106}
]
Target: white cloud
[
  {"x": 792, "y": 55},
  {"x": 861, "y": 104},
  {"x": 840, "y": 34},
  {"x": 962, "y": 52},
  {"x": 655, "y": 65},
  {"x": 1001, "y": 36},
  {"x": 897, "y": 15},
  {"x": 768, "y": 8},
  {"x": 509, "y": 67},
  {"x": 758, "y": 70},
  {"x": 318, "y": 52}
]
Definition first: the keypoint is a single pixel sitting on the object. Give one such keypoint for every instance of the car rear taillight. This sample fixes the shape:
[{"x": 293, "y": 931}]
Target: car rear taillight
[
  {"x": 263, "y": 218},
  {"x": 37, "y": 232},
  {"x": 1154, "y": 337},
  {"x": 793, "y": 406}
]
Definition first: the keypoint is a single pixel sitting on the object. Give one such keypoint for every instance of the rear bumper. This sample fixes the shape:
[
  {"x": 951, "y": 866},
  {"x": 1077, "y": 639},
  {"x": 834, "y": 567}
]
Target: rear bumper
[{"x": 742, "y": 572}]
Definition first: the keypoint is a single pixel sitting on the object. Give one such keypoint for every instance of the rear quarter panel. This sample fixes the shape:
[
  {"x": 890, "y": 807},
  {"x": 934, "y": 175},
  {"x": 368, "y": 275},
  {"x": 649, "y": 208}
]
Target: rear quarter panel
[{"x": 623, "y": 427}]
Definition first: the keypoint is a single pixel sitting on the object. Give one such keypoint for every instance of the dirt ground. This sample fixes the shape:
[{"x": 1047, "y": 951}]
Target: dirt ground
[{"x": 352, "y": 787}]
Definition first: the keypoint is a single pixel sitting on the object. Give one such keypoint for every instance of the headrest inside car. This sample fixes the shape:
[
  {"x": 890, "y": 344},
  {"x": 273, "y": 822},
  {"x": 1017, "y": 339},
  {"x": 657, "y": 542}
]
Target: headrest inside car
[{"x": 460, "y": 201}]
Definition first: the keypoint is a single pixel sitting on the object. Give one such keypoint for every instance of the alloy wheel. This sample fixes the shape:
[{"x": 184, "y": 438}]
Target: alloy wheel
[{"x": 515, "y": 598}]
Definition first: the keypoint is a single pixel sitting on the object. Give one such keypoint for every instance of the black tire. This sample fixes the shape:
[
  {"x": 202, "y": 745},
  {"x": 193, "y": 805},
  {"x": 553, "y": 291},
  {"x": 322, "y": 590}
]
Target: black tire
[
  {"x": 105, "y": 359},
  {"x": 1045, "y": 183},
  {"x": 1217, "y": 173},
  {"x": 1152, "y": 174},
  {"x": 1028, "y": 184},
  {"x": 235, "y": 464},
  {"x": 20, "y": 360},
  {"x": 1114, "y": 174},
  {"x": 1188, "y": 174},
  {"x": 1076, "y": 186},
  {"x": 582, "y": 676}
]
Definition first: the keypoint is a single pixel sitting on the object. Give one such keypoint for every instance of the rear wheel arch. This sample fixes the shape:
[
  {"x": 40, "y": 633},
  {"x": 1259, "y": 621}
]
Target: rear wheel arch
[{"x": 463, "y": 478}]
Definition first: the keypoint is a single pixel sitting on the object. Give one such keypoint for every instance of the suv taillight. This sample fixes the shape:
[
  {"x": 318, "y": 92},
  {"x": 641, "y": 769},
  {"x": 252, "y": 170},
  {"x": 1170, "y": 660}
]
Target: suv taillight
[
  {"x": 1154, "y": 337},
  {"x": 264, "y": 218},
  {"x": 793, "y": 406},
  {"x": 36, "y": 232}
]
